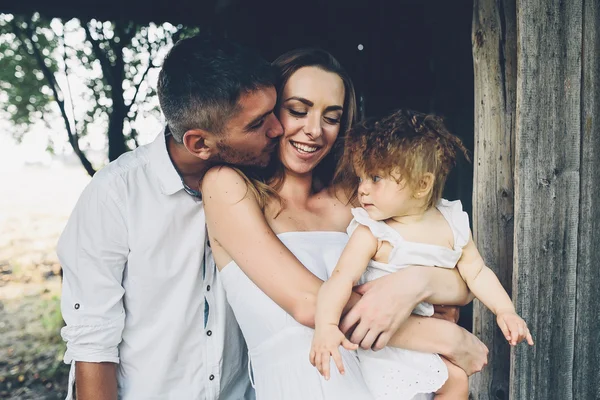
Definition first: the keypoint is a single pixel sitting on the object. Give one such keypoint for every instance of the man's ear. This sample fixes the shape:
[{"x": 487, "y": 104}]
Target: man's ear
[
  {"x": 425, "y": 185},
  {"x": 200, "y": 143}
]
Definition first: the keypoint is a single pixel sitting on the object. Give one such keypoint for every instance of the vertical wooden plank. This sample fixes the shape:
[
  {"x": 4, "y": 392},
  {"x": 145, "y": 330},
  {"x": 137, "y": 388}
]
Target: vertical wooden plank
[
  {"x": 586, "y": 373},
  {"x": 494, "y": 58},
  {"x": 547, "y": 186}
]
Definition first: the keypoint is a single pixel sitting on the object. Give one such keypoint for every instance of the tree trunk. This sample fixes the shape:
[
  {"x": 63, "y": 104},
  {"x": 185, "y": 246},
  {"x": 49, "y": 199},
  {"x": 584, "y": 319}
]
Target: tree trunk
[
  {"x": 494, "y": 58},
  {"x": 547, "y": 196},
  {"x": 116, "y": 139},
  {"x": 586, "y": 372}
]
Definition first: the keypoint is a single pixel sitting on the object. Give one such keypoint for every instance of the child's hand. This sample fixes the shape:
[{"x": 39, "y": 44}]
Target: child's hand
[
  {"x": 514, "y": 328},
  {"x": 326, "y": 342}
]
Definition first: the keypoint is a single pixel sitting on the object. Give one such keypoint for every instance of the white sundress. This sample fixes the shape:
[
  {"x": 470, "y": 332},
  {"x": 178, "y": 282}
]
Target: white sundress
[
  {"x": 278, "y": 345},
  {"x": 400, "y": 374}
]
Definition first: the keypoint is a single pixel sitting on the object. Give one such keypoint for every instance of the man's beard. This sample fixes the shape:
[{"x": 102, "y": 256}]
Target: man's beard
[{"x": 232, "y": 156}]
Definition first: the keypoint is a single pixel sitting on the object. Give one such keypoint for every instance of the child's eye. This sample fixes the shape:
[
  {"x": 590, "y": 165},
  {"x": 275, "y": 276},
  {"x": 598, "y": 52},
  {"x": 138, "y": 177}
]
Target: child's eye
[
  {"x": 376, "y": 178},
  {"x": 359, "y": 180}
]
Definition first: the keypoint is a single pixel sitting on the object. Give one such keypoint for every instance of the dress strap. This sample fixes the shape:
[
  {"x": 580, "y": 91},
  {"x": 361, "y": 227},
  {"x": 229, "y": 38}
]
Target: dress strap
[{"x": 379, "y": 229}]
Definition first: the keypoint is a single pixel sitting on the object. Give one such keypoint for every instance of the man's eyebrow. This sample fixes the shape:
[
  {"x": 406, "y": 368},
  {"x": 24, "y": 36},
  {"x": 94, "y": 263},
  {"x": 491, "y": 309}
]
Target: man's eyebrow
[
  {"x": 310, "y": 104},
  {"x": 255, "y": 120}
]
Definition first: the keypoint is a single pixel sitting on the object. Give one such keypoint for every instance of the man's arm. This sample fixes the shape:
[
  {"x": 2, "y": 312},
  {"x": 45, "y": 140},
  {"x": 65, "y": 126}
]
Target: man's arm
[
  {"x": 93, "y": 252},
  {"x": 96, "y": 381}
]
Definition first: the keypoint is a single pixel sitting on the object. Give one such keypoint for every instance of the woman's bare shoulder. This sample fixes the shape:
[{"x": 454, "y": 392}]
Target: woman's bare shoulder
[{"x": 225, "y": 182}]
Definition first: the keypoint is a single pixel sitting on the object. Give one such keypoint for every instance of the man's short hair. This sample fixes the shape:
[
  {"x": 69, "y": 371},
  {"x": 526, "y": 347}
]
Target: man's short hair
[{"x": 202, "y": 79}]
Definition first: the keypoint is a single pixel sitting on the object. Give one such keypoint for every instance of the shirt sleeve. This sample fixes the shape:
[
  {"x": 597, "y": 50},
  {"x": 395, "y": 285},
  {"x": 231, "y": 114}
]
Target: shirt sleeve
[{"x": 93, "y": 252}]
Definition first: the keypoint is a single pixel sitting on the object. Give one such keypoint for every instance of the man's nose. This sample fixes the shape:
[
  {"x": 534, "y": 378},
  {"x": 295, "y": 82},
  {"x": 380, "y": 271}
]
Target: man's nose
[{"x": 276, "y": 129}]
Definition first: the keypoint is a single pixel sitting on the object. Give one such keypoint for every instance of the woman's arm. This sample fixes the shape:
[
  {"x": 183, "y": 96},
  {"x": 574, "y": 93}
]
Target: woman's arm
[
  {"x": 236, "y": 222},
  {"x": 400, "y": 292},
  {"x": 432, "y": 335}
]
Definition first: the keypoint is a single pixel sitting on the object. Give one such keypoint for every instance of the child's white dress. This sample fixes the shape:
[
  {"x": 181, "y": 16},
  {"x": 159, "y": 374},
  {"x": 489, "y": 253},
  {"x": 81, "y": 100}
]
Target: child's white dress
[{"x": 400, "y": 374}]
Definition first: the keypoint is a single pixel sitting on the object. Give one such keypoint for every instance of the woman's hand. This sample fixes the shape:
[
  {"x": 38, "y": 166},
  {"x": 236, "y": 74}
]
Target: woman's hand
[
  {"x": 385, "y": 305},
  {"x": 388, "y": 301},
  {"x": 326, "y": 343}
]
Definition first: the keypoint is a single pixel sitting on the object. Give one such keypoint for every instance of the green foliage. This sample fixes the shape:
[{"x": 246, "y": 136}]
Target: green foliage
[
  {"x": 42, "y": 60},
  {"x": 21, "y": 80}
]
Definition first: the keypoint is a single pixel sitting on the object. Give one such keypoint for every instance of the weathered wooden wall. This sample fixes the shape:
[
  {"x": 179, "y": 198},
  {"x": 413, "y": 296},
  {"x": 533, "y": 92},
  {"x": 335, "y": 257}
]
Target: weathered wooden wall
[
  {"x": 495, "y": 67},
  {"x": 556, "y": 266},
  {"x": 586, "y": 364}
]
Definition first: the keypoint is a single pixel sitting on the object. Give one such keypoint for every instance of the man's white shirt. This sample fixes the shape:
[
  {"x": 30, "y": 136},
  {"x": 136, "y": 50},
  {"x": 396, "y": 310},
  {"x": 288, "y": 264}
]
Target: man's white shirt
[{"x": 140, "y": 290}]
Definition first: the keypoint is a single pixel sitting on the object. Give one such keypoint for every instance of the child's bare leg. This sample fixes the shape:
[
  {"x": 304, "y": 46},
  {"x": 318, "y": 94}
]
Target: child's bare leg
[{"x": 457, "y": 385}]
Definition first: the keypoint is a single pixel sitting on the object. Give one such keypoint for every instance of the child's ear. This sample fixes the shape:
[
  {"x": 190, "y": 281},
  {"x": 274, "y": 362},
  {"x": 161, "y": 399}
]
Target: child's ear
[
  {"x": 199, "y": 143},
  {"x": 425, "y": 185}
]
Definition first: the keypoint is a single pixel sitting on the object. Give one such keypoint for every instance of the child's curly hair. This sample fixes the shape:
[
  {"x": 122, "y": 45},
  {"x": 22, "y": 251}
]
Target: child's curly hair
[{"x": 405, "y": 143}]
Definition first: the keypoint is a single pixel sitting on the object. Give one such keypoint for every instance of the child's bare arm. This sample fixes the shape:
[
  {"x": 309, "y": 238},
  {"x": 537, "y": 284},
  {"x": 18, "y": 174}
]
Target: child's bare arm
[
  {"x": 333, "y": 296},
  {"x": 482, "y": 281},
  {"x": 485, "y": 285},
  {"x": 335, "y": 292}
]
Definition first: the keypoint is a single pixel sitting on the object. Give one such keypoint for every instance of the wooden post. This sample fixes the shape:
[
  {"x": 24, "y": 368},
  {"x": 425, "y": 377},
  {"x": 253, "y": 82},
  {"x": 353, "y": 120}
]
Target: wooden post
[
  {"x": 548, "y": 188},
  {"x": 495, "y": 67},
  {"x": 586, "y": 373}
]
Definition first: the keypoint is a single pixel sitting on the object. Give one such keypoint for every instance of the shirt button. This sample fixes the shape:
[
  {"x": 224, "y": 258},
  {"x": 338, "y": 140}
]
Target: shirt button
[
  {"x": 76, "y": 306},
  {"x": 209, "y": 333},
  {"x": 208, "y": 288},
  {"x": 211, "y": 377}
]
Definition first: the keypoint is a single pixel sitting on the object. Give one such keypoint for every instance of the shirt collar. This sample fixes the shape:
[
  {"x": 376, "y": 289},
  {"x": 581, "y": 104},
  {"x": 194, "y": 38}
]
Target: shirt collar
[{"x": 169, "y": 179}]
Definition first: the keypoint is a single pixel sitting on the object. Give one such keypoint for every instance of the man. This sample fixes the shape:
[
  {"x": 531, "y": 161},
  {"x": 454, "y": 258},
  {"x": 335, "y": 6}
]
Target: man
[{"x": 146, "y": 314}]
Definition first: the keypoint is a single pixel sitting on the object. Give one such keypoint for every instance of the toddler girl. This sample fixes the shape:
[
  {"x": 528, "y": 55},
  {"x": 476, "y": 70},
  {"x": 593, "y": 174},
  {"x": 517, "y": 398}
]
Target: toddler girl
[{"x": 397, "y": 168}]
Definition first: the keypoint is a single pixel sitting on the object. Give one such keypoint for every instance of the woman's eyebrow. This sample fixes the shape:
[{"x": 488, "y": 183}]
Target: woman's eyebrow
[
  {"x": 334, "y": 108},
  {"x": 310, "y": 103},
  {"x": 302, "y": 100}
]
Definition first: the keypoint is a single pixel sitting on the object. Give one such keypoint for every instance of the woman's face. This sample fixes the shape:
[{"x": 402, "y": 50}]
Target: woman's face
[{"x": 310, "y": 112}]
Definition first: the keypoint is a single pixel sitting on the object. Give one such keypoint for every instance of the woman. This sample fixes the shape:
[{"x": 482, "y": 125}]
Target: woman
[{"x": 263, "y": 230}]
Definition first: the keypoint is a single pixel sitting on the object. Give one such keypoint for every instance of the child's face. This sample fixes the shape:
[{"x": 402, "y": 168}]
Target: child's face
[{"x": 385, "y": 198}]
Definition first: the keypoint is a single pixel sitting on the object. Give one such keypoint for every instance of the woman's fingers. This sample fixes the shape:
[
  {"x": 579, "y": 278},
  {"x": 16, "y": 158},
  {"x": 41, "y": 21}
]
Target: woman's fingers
[
  {"x": 382, "y": 341},
  {"x": 369, "y": 340}
]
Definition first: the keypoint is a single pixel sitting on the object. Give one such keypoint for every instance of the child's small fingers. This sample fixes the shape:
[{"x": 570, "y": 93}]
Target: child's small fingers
[
  {"x": 311, "y": 357},
  {"x": 514, "y": 334},
  {"x": 325, "y": 365},
  {"x": 348, "y": 345},
  {"x": 318, "y": 362},
  {"x": 504, "y": 329},
  {"x": 529, "y": 338},
  {"x": 337, "y": 358}
]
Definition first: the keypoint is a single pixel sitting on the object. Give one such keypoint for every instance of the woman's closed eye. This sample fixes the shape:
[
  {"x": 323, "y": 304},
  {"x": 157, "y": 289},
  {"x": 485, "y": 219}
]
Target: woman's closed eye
[
  {"x": 332, "y": 120},
  {"x": 297, "y": 113}
]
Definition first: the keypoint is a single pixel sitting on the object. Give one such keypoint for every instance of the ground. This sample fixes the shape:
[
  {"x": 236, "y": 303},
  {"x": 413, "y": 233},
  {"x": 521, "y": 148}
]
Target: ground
[{"x": 35, "y": 202}]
